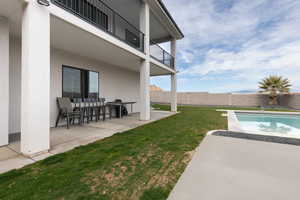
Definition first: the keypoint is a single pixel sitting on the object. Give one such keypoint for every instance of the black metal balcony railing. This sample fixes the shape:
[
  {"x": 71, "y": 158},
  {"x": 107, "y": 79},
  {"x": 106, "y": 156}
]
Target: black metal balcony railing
[
  {"x": 161, "y": 55},
  {"x": 100, "y": 15}
]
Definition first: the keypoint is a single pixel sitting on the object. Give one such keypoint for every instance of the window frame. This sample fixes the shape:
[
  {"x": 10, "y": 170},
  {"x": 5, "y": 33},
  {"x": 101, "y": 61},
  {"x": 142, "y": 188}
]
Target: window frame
[{"x": 84, "y": 81}]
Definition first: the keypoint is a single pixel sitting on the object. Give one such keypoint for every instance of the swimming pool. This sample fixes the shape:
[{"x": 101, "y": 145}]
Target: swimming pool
[{"x": 274, "y": 124}]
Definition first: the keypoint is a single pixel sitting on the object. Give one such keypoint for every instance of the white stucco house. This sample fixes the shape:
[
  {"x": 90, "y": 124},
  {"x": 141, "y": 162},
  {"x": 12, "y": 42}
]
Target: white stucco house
[{"x": 50, "y": 48}]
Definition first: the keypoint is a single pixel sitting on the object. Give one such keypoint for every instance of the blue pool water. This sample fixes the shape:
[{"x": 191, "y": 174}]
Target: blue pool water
[{"x": 270, "y": 124}]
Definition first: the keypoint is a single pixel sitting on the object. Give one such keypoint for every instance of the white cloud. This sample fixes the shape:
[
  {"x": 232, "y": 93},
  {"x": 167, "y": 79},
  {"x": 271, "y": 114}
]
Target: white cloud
[
  {"x": 188, "y": 57},
  {"x": 251, "y": 58},
  {"x": 250, "y": 39}
]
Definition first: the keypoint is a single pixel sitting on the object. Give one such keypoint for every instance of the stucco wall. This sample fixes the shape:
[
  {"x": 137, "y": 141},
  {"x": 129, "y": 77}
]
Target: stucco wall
[
  {"x": 191, "y": 98},
  {"x": 226, "y": 99},
  {"x": 292, "y": 100},
  {"x": 4, "y": 80},
  {"x": 249, "y": 100},
  {"x": 115, "y": 82}
]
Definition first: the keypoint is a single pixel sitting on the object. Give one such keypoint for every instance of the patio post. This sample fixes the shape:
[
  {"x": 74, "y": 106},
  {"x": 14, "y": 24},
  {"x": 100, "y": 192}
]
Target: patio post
[
  {"x": 145, "y": 64},
  {"x": 173, "y": 79},
  {"x": 35, "y": 103},
  {"x": 4, "y": 80}
]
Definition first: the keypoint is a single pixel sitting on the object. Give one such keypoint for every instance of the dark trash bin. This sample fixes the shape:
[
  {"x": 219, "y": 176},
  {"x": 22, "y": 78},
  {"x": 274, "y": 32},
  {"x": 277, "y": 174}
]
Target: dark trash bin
[{"x": 124, "y": 110}]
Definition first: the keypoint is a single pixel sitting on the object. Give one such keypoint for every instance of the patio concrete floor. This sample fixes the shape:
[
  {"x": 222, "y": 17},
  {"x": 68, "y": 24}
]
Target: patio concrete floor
[
  {"x": 235, "y": 169},
  {"x": 63, "y": 139}
]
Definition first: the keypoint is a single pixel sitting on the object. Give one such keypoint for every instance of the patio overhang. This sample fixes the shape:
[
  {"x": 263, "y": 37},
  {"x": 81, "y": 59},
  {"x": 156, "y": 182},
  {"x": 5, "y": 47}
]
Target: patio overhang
[
  {"x": 159, "y": 69},
  {"x": 69, "y": 38},
  {"x": 72, "y": 39},
  {"x": 86, "y": 43},
  {"x": 13, "y": 10},
  {"x": 44, "y": 39}
]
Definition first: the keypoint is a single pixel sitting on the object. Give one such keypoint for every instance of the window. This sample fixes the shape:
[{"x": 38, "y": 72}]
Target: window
[
  {"x": 93, "y": 84},
  {"x": 132, "y": 38},
  {"x": 80, "y": 83}
]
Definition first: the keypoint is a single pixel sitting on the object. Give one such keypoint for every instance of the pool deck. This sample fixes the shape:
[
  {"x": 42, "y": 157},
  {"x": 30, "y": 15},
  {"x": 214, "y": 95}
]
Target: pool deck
[{"x": 235, "y": 169}]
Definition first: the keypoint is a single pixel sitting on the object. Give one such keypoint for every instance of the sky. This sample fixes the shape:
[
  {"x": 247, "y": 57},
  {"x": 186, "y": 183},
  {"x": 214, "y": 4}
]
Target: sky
[{"x": 230, "y": 45}]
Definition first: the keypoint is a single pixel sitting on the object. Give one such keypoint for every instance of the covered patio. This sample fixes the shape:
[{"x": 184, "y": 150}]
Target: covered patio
[
  {"x": 63, "y": 139},
  {"x": 43, "y": 44}
]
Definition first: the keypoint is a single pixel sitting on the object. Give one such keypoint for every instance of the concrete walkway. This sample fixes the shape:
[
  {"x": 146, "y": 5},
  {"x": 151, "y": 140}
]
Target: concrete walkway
[
  {"x": 63, "y": 139},
  {"x": 225, "y": 168}
]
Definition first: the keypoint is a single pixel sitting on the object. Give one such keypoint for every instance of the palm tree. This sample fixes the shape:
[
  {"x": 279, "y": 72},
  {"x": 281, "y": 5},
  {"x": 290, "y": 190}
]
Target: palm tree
[{"x": 274, "y": 86}]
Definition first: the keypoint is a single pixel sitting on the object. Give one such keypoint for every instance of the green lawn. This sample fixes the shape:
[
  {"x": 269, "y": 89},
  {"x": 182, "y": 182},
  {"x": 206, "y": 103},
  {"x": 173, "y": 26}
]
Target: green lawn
[{"x": 144, "y": 163}]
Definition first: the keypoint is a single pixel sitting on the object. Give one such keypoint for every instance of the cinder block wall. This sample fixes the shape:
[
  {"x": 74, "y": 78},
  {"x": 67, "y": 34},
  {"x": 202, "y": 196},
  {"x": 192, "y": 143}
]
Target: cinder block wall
[
  {"x": 193, "y": 98},
  {"x": 252, "y": 100},
  {"x": 225, "y": 99},
  {"x": 292, "y": 100}
]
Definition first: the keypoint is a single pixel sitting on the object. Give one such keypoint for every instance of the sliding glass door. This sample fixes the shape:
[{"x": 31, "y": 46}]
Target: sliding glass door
[
  {"x": 79, "y": 83},
  {"x": 93, "y": 89},
  {"x": 71, "y": 82}
]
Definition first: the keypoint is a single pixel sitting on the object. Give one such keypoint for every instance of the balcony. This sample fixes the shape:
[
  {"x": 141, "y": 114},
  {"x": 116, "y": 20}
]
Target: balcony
[
  {"x": 161, "y": 55},
  {"x": 103, "y": 17}
]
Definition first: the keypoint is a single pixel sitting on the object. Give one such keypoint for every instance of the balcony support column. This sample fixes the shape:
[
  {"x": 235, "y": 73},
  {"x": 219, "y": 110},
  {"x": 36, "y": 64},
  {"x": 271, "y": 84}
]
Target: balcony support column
[
  {"x": 35, "y": 103},
  {"x": 174, "y": 79},
  {"x": 4, "y": 80},
  {"x": 145, "y": 64}
]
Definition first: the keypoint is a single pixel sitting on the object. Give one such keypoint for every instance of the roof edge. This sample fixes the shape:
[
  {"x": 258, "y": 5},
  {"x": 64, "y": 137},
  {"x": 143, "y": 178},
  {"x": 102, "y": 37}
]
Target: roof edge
[{"x": 170, "y": 16}]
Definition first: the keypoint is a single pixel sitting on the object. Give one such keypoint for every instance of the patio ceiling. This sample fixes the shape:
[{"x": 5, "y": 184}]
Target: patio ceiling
[
  {"x": 75, "y": 40},
  {"x": 157, "y": 32},
  {"x": 12, "y": 9},
  {"x": 67, "y": 37}
]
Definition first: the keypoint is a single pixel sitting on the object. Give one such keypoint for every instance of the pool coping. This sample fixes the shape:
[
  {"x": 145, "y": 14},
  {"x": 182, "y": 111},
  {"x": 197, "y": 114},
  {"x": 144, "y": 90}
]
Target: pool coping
[
  {"x": 256, "y": 137},
  {"x": 234, "y": 124},
  {"x": 260, "y": 111}
]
